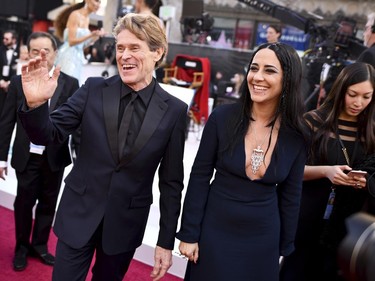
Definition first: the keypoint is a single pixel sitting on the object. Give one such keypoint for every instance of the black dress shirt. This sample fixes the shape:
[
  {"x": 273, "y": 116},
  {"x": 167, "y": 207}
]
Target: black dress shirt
[{"x": 140, "y": 107}]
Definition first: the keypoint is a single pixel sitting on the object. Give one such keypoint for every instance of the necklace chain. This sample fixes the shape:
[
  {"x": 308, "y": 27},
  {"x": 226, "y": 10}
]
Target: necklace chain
[{"x": 257, "y": 156}]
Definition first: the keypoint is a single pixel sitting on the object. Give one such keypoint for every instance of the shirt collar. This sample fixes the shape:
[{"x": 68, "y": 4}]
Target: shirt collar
[
  {"x": 145, "y": 94},
  {"x": 51, "y": 71},
  {"x": 12, "y": 48}
]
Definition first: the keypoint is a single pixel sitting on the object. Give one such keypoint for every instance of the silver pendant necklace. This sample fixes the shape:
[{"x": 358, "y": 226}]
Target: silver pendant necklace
[{"x": 257, "y": 156}]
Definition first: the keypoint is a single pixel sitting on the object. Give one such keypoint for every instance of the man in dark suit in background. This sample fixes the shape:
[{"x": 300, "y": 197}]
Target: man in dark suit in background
[
  {"x": 9, "y": 53},
  {"x": 39, "y": 169},
  {"x": 107, "y": 196},
  {"x": 368, "y": 55}
]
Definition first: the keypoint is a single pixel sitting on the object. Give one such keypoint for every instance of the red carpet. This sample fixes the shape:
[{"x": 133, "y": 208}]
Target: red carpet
[{"x": 38, "y": 271}]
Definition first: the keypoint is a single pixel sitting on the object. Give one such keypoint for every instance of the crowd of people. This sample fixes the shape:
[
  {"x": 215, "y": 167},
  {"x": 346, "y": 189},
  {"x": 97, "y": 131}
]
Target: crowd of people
[{"x": 270, "y": 180}]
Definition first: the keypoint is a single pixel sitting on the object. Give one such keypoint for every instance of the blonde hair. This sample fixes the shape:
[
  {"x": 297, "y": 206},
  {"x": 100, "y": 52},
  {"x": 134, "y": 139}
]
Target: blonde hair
[{"x": 146, "y": 28}]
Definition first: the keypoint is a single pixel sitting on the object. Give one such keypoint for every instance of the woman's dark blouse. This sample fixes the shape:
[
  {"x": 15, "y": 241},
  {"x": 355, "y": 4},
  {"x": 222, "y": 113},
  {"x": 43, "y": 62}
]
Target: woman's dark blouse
[{"x": 315, "y": 193}]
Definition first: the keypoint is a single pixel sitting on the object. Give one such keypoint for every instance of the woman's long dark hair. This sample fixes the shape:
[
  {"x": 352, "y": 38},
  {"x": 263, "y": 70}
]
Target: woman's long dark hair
[
  {"x": 290, "y": 109},
  {"x": 62, "y": 19},
  {"x": 334, "y": 104}
]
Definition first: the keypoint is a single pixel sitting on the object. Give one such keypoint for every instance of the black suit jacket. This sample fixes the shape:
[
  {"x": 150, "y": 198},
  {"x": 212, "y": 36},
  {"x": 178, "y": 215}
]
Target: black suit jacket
[
  {"x": 4, "y": 61},
  {"x": 101, "y": 187},
  {"x": 58, "y": 154},
  {"x": 12, "y": 71},
  {"x": 368, "y": 56}
]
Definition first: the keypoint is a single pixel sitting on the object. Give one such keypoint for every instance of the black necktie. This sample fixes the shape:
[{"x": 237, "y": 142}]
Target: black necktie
[{"x": 125, "y": 123}]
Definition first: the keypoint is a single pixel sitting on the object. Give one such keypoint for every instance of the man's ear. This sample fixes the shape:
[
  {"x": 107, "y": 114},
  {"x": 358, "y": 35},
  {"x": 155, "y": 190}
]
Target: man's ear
[{"x": 158, "y": 54}]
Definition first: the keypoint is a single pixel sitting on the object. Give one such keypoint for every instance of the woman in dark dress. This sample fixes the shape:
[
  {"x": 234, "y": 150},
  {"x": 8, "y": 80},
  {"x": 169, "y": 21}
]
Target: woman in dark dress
[
  {"x": 345, "y": 120},
  {"x": 236, "y": 225}
]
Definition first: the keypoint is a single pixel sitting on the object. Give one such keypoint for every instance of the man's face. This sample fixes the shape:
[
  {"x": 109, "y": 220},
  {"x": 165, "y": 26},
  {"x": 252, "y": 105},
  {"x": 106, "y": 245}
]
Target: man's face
[
  {"x": 43, "y": 43},
  {"x": 8, "y": 39},
  {"x": 135, "y": 61},
  {"x": 368, "y": 36}
]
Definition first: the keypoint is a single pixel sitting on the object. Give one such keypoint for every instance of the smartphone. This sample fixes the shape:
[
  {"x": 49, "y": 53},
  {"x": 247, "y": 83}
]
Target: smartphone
[{"x": 357, "y": 173}]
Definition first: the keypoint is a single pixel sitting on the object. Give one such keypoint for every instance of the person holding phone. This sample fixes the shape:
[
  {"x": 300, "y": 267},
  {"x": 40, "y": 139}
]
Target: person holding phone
[{"x": 342, "y": 139}]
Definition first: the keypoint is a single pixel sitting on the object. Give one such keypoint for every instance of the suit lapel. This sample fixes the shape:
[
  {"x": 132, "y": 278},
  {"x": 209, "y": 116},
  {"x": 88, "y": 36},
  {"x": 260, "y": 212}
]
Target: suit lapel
[
  {"x": 111, "y": 102},
  {"x": 56, "y": 95},
  {"x": 155, "y": 112}
]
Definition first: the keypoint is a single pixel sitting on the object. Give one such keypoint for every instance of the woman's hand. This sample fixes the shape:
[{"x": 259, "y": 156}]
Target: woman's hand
[
  {"x": 358, "y": 181},
  {"x": 189, "y": 250},
  {"x": 334, "y": 173},
  {"x": 96, "y": 34},
  {"x": 337, "y": 176}
]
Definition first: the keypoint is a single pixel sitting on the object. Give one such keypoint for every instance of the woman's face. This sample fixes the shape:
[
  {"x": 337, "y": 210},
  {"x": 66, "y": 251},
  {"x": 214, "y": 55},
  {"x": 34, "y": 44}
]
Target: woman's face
[
  {"x": 265, "y": 77},
  {"x": 357, "y": 98},
  {"x": 272, "y": 36},
  {"x": 93, "y": 5}
]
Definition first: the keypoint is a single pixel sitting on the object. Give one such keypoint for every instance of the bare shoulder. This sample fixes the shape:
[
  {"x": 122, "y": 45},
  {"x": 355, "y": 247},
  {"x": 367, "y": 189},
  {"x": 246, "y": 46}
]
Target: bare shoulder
[{"x": 74, "y": 18}]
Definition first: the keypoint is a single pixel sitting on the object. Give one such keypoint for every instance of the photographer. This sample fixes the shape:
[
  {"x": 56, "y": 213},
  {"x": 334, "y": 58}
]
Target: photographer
[{"x": 369, "y": 41}]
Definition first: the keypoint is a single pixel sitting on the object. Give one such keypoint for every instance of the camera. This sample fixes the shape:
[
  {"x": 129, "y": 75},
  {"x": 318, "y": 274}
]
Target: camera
[
  {"x": 195, "y": 26},
  {"x": 356, "y": 254}
]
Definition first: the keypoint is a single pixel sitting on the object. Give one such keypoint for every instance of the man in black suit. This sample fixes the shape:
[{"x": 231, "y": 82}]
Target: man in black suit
[
  {"x": 107, "y": 196},
  {"x": 39, "y": 169},
  {"x": 368, "y": 55},
  {"x": 9, "y": 53}
]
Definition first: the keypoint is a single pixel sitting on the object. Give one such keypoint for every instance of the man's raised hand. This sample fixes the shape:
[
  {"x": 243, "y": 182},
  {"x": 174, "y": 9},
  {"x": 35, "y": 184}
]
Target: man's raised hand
[{"x": 37, "y": 84}]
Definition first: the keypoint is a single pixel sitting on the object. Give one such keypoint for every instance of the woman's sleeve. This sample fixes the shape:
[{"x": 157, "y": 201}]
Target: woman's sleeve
[
  {"x": 199, "y": 183},
  {"x": 289, "y": 193}
]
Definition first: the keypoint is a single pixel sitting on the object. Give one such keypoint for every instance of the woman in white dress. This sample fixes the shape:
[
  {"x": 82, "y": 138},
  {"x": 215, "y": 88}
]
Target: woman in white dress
[{"x": 72, "y": 27}]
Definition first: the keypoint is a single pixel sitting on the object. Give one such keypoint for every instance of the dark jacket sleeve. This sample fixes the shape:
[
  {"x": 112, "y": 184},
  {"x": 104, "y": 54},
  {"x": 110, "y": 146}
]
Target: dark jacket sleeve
[
  {"x": 199, "y": 183},
  {"x": 8, "y": 118},
  {"x": 289, "y": 193},
  {"x": 171, "y": 174},
  {"x": 368, "y": 56}
]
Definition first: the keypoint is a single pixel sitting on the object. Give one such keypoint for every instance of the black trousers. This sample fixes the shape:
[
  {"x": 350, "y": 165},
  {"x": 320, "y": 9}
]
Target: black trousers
[
  {"x": 37, "y": 183},
  {"x": 73, "y": 264}
]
